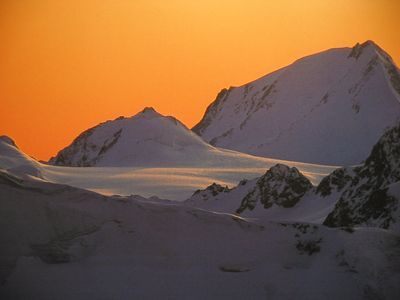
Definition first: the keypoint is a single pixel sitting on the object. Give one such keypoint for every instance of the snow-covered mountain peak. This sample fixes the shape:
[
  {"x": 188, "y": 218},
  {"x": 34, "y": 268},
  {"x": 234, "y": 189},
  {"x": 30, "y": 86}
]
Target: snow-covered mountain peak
[
  {"x": 280, "y": 185},
  {"x": 281, "y": 170},
  {"x": 147, "y": 139},
  {"x": 149, "y": 112},
  {"x": 326, "y": 108},
  {"x": 368, "y": 47}
]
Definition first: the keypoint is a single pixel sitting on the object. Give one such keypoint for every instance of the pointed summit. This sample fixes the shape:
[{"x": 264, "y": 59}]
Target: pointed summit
[
  {"x": 149, "y": 110},
  {"x": 359, "y": 49}
]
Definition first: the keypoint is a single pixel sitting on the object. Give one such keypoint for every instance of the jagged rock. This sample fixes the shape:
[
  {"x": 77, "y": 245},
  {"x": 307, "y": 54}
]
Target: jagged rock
[
  {"x": 335, "y": 182},
  {"x": 281, "y": 185},
  {"x": 371, "y": 195},
  {"x": 213, "y": 190}
]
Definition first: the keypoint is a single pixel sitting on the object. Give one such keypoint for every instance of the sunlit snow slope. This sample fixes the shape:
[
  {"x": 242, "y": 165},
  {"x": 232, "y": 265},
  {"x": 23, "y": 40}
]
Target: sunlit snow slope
[{"x": 327, "y": 108}]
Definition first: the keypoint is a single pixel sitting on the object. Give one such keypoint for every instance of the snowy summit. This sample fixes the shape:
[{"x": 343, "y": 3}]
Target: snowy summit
[
  {"x": 327, "y": 108},
  {"x": 147, "y": 137}
]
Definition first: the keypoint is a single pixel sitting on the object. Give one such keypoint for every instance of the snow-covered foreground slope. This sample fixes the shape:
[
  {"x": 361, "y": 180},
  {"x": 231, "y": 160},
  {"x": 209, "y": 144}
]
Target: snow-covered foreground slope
[
  {"x": 170, "y": 182},
  {"x": 60, "y": 242},
  {"x": 327, "y": 108}
]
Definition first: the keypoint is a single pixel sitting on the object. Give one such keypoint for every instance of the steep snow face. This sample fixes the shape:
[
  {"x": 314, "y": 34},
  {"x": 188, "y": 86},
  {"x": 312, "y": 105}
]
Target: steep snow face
[
  {"x": 328, "y": 108},
  {"x": 370, "y": 193},
  {"x": 145, "y": 138},
  {"x": 59, "y": 242}
]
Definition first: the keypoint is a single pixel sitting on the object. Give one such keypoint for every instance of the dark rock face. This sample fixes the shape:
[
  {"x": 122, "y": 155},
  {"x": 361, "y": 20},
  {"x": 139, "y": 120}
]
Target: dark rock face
[
  {"x": 211, "y": 111},
  {"x": 335, "y": 182},
  {"x": 212, "y": 190},
  {"x": 280, "y": 185},
  {"x": 366, "y": 199}
]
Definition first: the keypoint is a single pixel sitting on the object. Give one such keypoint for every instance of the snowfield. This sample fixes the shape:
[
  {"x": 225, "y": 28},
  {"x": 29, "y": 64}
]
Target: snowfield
[{"x": 174, "y": 183}]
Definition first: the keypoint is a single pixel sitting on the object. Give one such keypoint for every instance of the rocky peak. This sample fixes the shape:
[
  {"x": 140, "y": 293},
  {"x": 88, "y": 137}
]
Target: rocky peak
[
  {"x": 280, "y": 185},
  {"x": 283, "y": 171},
  {"x": 149, "y": 111},
  {"x": 359, "y": 49},
  {"x": 212, "y": 190}
]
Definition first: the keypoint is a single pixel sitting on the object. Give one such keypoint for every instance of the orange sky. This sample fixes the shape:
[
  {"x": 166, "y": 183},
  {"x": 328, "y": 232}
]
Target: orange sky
[{"x": 67, "y": 65}]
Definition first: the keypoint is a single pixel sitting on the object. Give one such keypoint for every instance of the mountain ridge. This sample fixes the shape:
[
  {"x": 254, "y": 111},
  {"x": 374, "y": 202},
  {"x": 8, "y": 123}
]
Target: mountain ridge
[{"x": 293, "y": 113}]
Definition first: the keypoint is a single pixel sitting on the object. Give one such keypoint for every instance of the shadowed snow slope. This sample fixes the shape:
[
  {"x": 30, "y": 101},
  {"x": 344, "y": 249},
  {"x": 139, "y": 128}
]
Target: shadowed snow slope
[
  {"x": 59, "y": 242},
  {"x": 327, "y": 108}
]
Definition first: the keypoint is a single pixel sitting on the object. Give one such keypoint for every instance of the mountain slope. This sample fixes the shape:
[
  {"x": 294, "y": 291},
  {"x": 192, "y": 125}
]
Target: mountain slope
[{"x": 327, "y": 108}]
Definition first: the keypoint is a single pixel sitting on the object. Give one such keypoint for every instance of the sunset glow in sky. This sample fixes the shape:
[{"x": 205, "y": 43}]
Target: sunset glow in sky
[{"x": 68, "y": 65}]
